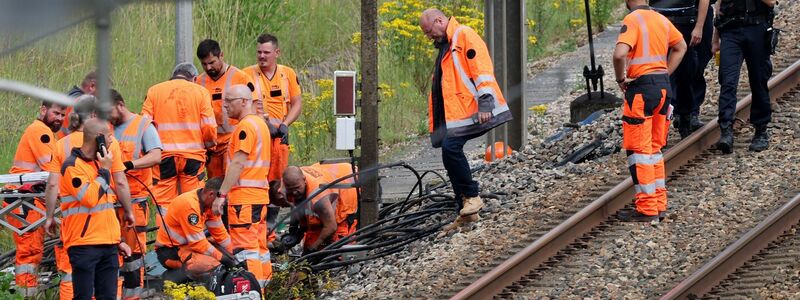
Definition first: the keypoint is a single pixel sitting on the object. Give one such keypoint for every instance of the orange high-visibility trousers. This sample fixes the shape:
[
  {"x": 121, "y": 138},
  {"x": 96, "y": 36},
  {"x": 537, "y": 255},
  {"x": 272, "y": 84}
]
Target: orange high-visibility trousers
[
  {"x": 30, "y": 246},
  {"x": 217, "y": 164},
  {"x": 645, "y": 127},
  {"x": 278, "y": 160},
  {"x": 132, "y": 268},
  {"x": 196, "y": 265},
  {"x": 174, "y": 176},
  {"x": 343, "y": 229},
  {"x": 248, "y": 229}
]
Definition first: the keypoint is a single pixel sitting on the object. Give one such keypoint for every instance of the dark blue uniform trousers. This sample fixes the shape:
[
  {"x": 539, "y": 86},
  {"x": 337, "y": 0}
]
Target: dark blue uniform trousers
[{"x": 748, "y": 42}]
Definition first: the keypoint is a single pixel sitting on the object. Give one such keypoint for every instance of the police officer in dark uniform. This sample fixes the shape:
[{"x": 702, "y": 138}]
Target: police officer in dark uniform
[
  {"x": 688, "y": 16},
  {"x": 704, "y": 55},
  {"x": 744, "y": 31}
]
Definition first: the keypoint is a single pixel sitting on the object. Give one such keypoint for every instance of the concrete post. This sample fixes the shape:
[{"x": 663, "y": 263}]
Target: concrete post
[
  {"x": 183, "y": 31},
  {"x": 506, "y": 38},
  {"x": 369, "y": 206}
]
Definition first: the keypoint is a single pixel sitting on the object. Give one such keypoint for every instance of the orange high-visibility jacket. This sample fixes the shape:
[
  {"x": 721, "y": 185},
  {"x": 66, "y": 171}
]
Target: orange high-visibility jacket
[
  {"x": 276, "y": 92},
  {"x": 182, "y": 113},
  {"x": 650, "y": 35},
  {"x": 87, "y": 205},
  {"x": 217, "y": 88},
  {"x": 64, "y": 147},
  {"x": 318, "y": 176},
  {"x": 35, "y": 149},
  {"x": 251, "y": 137},
  {"x": 131, "y": 145},
  {"x": 467, "y": 75},
  {"x": 185, "y": 226}
]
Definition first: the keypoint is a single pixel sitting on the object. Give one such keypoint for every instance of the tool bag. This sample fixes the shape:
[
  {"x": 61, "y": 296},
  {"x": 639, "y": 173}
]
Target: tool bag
[{"x": 234, "y": 281}]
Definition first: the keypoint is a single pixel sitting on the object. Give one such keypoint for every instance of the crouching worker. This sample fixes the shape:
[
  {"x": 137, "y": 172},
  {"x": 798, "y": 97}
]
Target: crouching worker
[
  {"x": 181, "y": 245},
  {"x": 328, "y": 216}
]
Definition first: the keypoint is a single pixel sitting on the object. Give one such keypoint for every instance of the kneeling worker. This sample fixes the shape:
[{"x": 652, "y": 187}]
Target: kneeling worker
[
  {"x": 328, "y": 216},
  {"x": 181, "y": 243}
]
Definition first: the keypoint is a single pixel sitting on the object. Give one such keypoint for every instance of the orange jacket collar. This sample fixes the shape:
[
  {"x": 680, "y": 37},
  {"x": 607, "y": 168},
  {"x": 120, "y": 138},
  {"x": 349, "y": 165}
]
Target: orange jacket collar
[{"x": 452, "y": 25}]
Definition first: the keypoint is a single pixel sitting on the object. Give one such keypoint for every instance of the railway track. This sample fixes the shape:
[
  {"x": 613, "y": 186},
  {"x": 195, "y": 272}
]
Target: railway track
[{"x": 572, "y": 247}]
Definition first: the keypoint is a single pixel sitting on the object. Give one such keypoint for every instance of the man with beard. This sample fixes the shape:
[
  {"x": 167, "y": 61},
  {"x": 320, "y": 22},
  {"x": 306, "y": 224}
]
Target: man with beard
[
  {"x": 34, "y": 151},
  {"x": 218, "y": 79},
  {"x": 141, "y": 150}
]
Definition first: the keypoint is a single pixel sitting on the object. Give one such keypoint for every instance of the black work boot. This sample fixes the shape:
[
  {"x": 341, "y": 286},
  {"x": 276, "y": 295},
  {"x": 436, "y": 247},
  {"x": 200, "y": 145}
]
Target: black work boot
[
  {"x": 695, "y": 122},
  {"x": 725, "y": 143},
  {"x": 684, "y": 128},
  {"x": 635, "y": 216},
  {"x": 760, "y": 140}
]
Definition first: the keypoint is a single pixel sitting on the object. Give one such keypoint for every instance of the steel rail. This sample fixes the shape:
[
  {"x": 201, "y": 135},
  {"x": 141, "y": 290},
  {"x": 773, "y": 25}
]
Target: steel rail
[
  {"x": 558, "y": 238},
  {"x": 735, "y": 255}
]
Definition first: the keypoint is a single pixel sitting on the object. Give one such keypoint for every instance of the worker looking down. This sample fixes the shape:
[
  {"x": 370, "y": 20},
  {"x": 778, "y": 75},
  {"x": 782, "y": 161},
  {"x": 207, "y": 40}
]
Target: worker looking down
[
  {"x": 83, "y": 111},
  {"x": 650, "y": 48},
  {"x": 141, "y": 149},
  {"x": 90, "y": 229},
  {"x": 182, "y": 113},
  {"x": 328, "y": 216},
  {"x": 181, "y": 244},
  {"x": 34, "y": 151},
  {"x": 465, "y": 102},
  {"x": 245, "y": 186},
  {"x": 218, "y": 79}
]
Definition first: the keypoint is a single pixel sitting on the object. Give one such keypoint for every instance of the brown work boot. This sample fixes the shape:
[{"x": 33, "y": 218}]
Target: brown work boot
[
  {"x": 460, "y": 220},
  {"x": 471, "y": 206}
]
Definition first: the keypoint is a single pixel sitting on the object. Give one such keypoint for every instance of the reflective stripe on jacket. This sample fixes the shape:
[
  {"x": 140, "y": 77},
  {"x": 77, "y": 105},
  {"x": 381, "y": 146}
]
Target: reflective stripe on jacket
[
  {"x": 182, "y": 113},
  {"x": 87, "y": 204},
  {"x": 217, "y": 88},
  {"x": 251, "y": 137},
  {"x": 468, "y": 77},
  {"x": 130, "y": 142}
]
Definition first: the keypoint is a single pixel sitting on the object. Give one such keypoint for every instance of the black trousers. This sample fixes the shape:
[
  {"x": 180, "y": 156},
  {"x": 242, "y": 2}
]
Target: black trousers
[
  {"x": 684, "y": 77},
  {"x": 704, "y": 55},
  {"x": 95, "y": 270},
  {"x": 748, "y": 43}
]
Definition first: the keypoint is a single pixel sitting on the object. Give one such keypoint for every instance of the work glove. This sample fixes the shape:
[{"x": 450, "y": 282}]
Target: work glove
[
  {"x": 277, "y": 247},
  {"x": 283, "y": 133},
  {"x": 227, "y": 261},
  {"x": 289, "y": 240}
]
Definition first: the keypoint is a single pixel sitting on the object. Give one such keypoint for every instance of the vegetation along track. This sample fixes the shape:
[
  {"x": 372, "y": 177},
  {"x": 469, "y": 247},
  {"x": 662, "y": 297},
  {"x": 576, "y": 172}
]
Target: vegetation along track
[{"x": 713, "y": 198}]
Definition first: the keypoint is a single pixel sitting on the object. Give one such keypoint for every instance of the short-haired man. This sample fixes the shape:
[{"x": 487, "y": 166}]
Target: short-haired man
[
  {"x": 34, "y": 151},
  {"x": 218, "y": 79},
  {"x": 181, "y": 243},
  {"x": 182, "y": 113},
  {"x": 141, "y": 150},
  {"x": 246, "y": 182},
  {"x": 648, "y": 50},
  {"x": 88, "y": 87}
]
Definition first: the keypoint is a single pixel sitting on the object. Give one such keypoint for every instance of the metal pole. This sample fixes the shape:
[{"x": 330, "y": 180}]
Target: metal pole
[
  {"x": 183, "y": 31},
  {"x": 368, "y": 208},
  {"x": 516, "y": 57},
  {"x": 103, "y": 40}
]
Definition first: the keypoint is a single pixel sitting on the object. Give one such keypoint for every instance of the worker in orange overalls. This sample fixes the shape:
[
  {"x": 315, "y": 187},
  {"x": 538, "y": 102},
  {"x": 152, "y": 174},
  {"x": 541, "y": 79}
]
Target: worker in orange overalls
[
  {"x": 182, "y": 113},
  {"x": 141, "y": 150},
  {"x": 90, "y": 229},
  {"x": 83, "y": 111},
  {"x": 218, "y": 79},
  {"x": 181, "y": 243},
  {"x": 465, "y": 102},
  {"x": 331, "y": 214},
  {"x": 34, "y": 151},
  {"x": 88, "y": 87},
  {"x": 649, "y": 48},
  {"x": 245, "y": 186}
]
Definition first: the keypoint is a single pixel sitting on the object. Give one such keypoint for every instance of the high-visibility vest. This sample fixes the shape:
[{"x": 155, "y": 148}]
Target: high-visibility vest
[
  {"x": 185, "y": 226},
  {"x": 217, "y": 88},
  {"x": 467, "y": 74},
  {"x": 183, "y": 115},
  {"x": 64, "y": 147},
  {"x": 650, "y": 35},
  {"x": 34, "y": 150},
  {"x": 87, "y": 206},
  {"x": 252, "y": 137},
  {"x": 320, "y": 175},
  {"x": 130, "y": 142},
  {"x": 276, "y": 102}
]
